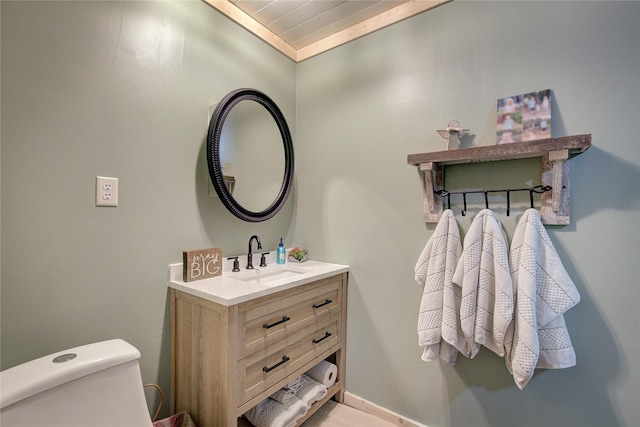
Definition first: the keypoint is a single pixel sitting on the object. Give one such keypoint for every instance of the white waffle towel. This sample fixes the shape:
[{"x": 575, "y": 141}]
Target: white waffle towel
[
  {"x": 311, "y": 391},
  {"x": 438, "y": 316},
  {"x": 483, "y": 275},
  {"x": 271, "y": 413},
  {"x": 544, "y": 292}
]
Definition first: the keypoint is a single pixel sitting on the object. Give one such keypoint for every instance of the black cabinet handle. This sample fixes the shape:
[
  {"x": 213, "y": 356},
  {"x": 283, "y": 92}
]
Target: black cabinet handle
[
  {"x": 326, "y": 335},
  {"x": 284, "y": 319},
  {"x": 328, "y": 301},
  {"x": 285, "y": 359}
]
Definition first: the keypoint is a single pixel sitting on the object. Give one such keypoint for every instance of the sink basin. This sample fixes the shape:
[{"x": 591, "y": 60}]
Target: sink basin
[
  {"x": 272, "y": 274},
  {"x": 236, "y": 287}
]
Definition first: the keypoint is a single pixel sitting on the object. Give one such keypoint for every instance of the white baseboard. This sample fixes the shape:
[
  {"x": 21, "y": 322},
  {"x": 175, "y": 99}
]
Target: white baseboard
[{"x": 380, "y": 412}]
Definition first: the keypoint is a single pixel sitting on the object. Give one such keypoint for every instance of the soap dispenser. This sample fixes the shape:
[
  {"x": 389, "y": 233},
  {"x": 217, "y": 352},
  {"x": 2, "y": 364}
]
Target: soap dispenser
[{"x": 281, "y": 253}]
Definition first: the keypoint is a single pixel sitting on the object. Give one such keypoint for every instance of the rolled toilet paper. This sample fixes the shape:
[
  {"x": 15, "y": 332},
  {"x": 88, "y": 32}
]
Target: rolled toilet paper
[{"x": 324, "y": 372}]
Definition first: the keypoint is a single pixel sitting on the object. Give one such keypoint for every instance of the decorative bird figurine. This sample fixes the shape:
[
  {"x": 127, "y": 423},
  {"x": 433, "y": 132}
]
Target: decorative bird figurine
[{"x": 453, "y": 133}]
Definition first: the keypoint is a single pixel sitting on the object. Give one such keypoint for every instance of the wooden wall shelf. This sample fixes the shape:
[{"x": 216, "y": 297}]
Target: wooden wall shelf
[{"x": 554, "y": 154}]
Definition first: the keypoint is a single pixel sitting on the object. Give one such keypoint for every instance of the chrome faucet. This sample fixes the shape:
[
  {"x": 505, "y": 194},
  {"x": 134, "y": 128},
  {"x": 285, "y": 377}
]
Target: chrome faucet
[{"x": 250, "y": 254}]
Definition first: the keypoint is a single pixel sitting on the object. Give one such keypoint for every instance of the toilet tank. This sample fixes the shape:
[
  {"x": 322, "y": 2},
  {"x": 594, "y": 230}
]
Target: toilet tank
[{"x": 95, "y": 385}]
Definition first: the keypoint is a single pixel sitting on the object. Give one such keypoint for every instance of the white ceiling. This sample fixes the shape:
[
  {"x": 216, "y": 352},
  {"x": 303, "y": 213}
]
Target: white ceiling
[
  {"x": 300, "y": 23},
  {"x": 303, "y": 28}
]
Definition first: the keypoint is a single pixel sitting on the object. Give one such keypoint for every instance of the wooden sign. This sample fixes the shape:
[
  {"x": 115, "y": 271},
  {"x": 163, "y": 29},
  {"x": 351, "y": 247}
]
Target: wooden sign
[{"x": 201, "y": 264}]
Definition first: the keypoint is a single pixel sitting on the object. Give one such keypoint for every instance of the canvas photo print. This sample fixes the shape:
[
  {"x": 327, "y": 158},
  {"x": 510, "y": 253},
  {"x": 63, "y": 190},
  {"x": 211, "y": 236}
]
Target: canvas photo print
[{"x": 524, "y": 117}]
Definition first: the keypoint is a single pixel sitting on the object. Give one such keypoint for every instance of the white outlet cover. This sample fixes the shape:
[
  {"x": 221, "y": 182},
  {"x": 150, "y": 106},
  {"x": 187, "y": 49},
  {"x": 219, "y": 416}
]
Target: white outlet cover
[{"x": 106, "y": 191}]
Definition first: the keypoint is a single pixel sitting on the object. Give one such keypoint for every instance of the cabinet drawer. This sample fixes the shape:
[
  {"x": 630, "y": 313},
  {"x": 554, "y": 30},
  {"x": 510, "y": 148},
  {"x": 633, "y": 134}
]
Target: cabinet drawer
[
  {"x": 262, "y": 325},
  {"x": 266, "y": 367}
]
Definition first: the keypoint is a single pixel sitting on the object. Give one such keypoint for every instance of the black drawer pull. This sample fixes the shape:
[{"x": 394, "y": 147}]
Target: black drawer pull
[
  {"x": 326, "y": 335},
  {"x": 285, "y": 359},
  {"x": 328, "y": 301},
  {"x": 284, "y": 319}
]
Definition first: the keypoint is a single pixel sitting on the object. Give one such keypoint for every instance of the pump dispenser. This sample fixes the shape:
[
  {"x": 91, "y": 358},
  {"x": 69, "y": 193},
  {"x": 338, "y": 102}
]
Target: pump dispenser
[{"x": 281, "y": 253}]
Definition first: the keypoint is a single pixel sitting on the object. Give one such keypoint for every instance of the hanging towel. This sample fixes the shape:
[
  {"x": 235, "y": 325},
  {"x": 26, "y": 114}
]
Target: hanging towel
[
  {"x": 544, "y": 292},
  {"x": 311, "y": 392},
  {"x": 271, "y": 413},
  {"x": 486, "y": 308},
  {"x": 438, "y": 307}
]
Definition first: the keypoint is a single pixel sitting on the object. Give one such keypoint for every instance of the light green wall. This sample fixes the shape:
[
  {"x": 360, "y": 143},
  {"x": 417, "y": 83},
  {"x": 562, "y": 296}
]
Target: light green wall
[
  {"x": 366, "y": 105},
  {"x": 123, "y": 89},
  {"x": 117, "y": 89}
]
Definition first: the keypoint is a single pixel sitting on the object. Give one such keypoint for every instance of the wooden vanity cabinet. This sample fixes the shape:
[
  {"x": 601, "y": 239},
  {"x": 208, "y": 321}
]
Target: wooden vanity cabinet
[{"x": 226, "y": 359}]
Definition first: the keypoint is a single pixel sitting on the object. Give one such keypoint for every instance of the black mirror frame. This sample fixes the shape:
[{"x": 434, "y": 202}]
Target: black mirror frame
[{"x": 220, "y": 113}]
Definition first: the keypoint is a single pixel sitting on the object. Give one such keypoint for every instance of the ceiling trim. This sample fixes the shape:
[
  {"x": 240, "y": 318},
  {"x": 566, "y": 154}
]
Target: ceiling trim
[{"x": 397, "y": 14}]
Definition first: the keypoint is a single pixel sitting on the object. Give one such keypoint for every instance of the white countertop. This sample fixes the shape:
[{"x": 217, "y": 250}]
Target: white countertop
[{"x": 233, "y": 288}]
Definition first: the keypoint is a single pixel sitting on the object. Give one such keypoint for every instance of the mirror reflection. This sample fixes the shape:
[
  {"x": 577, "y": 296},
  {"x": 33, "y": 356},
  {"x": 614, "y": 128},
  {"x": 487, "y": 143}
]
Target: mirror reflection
[{"x": 252, "y": 154}]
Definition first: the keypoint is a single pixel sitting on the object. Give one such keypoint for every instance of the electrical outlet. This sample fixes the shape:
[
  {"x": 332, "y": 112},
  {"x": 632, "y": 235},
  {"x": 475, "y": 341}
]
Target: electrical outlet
[{"x": 106, "y": 191}]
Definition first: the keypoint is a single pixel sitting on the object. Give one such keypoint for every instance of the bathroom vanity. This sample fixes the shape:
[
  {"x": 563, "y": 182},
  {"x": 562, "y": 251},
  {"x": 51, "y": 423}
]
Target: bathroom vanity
[{"x": 238, "y": 338}]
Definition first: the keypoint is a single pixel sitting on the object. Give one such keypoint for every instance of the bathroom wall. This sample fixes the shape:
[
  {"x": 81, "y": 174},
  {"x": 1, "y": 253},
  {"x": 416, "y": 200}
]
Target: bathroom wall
[
  {"x": 123, "y": 88},
  {"x": 118, "y": 89},
  {"x": 364, "y": 106}
]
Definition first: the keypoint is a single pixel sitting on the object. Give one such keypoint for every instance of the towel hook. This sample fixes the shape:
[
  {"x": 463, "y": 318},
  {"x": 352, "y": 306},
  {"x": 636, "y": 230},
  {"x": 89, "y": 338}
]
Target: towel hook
[
  {"x": 464, "y": 200},
  {"x": 538, "y": 189},
  {"x": 445, "y": 193},
  {"x": 531, "y": 197}
]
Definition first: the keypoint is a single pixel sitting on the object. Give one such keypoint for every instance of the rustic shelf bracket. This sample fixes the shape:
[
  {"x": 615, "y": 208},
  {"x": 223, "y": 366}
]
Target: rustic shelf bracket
[
  {"x": 555, "y": 159},
  {"x": 556, "y": 172},
  {"x": 433, "y": 179}
]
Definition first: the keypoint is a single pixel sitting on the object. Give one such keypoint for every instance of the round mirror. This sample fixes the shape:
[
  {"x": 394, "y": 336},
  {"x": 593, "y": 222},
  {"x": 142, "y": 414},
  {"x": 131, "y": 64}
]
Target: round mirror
[{"x": 250, "y": 155}]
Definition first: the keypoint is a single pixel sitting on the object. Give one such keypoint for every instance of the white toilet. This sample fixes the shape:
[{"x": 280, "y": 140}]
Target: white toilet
[{"x": 95, "y": 385}]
